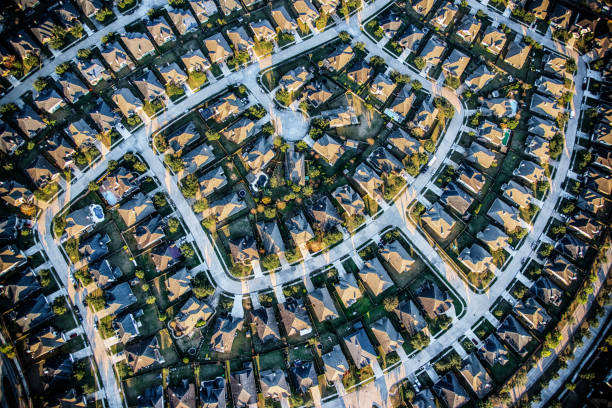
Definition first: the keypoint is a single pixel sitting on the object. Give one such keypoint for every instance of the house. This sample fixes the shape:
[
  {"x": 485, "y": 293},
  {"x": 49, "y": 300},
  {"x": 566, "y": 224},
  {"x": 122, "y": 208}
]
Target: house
[
  {"x": 137, "y": 209},
  {"x": 561, "y": 270},
  {"x": 359, "y": 72},
  {"x": 368, "y": 181},
  {"x": 54, "y": 373},
  {"x": 20, "y": 286},
  {"x": 403, "y": 142},
  {"x": 388, "y": 338},
  {"x": 434, "y": 301},
  {"x": 117, "y": 185},
  {"x": 411, "y": 318},
  {"x": 152, "y": 397},
  {"x": 339, "y": 58},
  {"x": 492, "y": 133},
  {"x": 469, "y": 29},
  {"x": 144, "y": 354},
  {"x": 150, "y": 87},
  {"x": 384, "y": 162},
  {"x": 41, "y": 172},
  {"x": 518, "y": 194},
  {"x": 457, "y": 199},
  {"x": 43, "y": 30},
  {"x": 212, "y": 393},
  {"x": 182, "y": 137},
  {"x": 72, "y": 87},
  {"x": 360, "y": 349},
  {"x": 471, "y": 179},
  {"x": 178, "y": 284},
  {"x": 602, "y": 134},
  {"x": 542, "y": 127},
  {"x": 445, "y": 16},
  {"x": 24, "y": 45},
  {"x": 243, "y": 249},
  {"x": 493, "y": 40},
  {"x": 316, "y": 94},
  {"x": 270, "y": 237},
  {"x": 264, "y": 321},
  {"x": 118, "y": 299},
  {"x": 451, "y": 391},
  {"x": 295, "y": 166},
  {"x": 493, "y": 237},
  {"x": 239, "y": 131},
  {"x": 43, "y": 342},
  {"x": 193, "y": 314},
  {"x": 83, "y": 219},
  {"x": 479, "y": 78},
  {"x": 10, "y": 140},
  {"x": 218, "y": 49},
  {"x": 476, "y": 376},
  {"x": 539, "y": 8},
  {"x": 412, "y": 37},
  {"x": 517, "y": 54},
  {"x": 260, "y": 155},
  {"x": 551, "y": 86},
  {"x": 126, "y": 327},
  {"x": 304, "y": 375},
  {"x": 274, "y": 384},
  {"x": 506, "y": 216},
  {"x": 138, "y": 44},
  {"x": 229, "y": 6},
  {"x": 424, "y": 399},
  {"x": 48, "y": 100},
  {"x": 455, "y": 64},
  {"x": 198, "y": 157},
  {"x": 173, "y": 75},
  {"x": 500, "y": 107},
  {"x": 397, "y": 257},
  {"x": 10, "y": 226},
  {"x": 340, "y": 117},
  {"x": 382, "y": 87},
  {"x": 348, "y": 291},
  {"x": 476, "y": 259},
  {"x": 115, "y": 57},
  {"x": 515, "y": 335},
  {"x": 294, "y": 79},
  {"x": 478, "y": 154},
  {"x": 93, "y": 71},
  {"x": 89, "y": 7},
  {"x": 67, "y": 15},
  {"x": 242, "y": 386},
  {"x": 183, "y": 21},
  {"x": 10, "y": 258},
  {"x": 224, "y": 333},
  {"x": 329, "y": 148},
  {"x": 240, "y": 40},
  {"x": 149, "y": 232},
  {"x": 533, "y": 314},
  {"x": 294, "y": 317},
  {"x": 195, "y": 61},
  {"x": 165, "y": 256},
  {"x": 306, "y": 12},
  {"x": 545, "y": 290},
  {"x": 585, "y": 224},
  {"x": 103, "y": 116},
  {"x": 375, "y": 277},
  {"x": 560, "y": 18},
  {"x": 182, "y": 395},
  {"x": 439, "y": 221},
  {"x": 324, "y": 214},
  {"x": 425, "y": 117},
  {"x": 31, "y": 314},
  {"x": 283, "y": 20},
  {"x": 602, "y": 158},
  {"x": 538, "y": 147},
  {"x": 349, "y": 200},
  {"x": 263, "y": 30},
  {"x": 225, "y": 207},
  {"x": 160, "y": 31},
  {"x": 590, "y": 201},
  {"x": 322, "y": 304},
  {"x": 572, "y": 247},
  {"x": 401, "y": 105},
  {"x": 493, "y": 352},
  {"x": 212, "y": 181},
  {"x": 546, "y": 107},
  {"x": 15, "y": 194},
  {"x": 433, "y": 50},
  {"x": 81, "y": 134},
  {"x": 530, "y": 172},
  {"x": 128, "y": 104},
  {"x": 390, "y": 23},
  {"x": 335, "y": 364},
  {"x": 299, "y": 229},
  {"x": 422, "y": 7}
]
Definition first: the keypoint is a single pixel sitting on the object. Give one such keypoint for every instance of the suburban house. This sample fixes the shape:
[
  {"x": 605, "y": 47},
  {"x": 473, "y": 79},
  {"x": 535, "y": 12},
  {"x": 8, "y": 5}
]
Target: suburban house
[
  {"x": 375, "y": 277},
  {"x": 481, "y": 155},
  {"x": 506, "y": 216},
  {"x": 329, "y": 148},
  {"x": 517, "y": 54},
  {"x": 476, "y": 376},
  {"x": 493, "y": 352},
  {"x": 294, "y": 317},
  {"x": 93, "y": 71},
  {"x": 514, "y": 334},
  {"x": 304, "y": 375},
  {"x": 283, "y": 20},
  {"x": 494, "y": 238},
  {"x": 457, "y": 199},
  {"x": 348, "y": 290},
  {"x": 349, "y": 200},
  {"x": 218, "y": 49},
  {"x": 469, "y": 29},
  {"x": 150, "y": 88},
  {"x": 160, "y": 31},
  {"x": 324, "y": 214},
  {"x": 117, "y": 185},
  {"x": 479, "y": 78},
  {"x": 274, "y": 384},
  {"x": 240, "y": 40},
  {"x": 144, "y": 354},
  {"x": 411, "y": 318},
  {"x": 72, "y": 87},
  {"x": 433, "y": 300},
  {"x": 128, "y": 104},
  {"x": 476, "y": 259},
  {"x": 136, "y": 210},
  {"x": 389, "y": 339},
  {"x": 183, "y": 20},
  {"x": 322, "y": 304},
  {"x": 335, "y": 365},
  {"x": 410, "y": 39},
  {"x": 264, "y": 322},
  {"x": 103, "y": 116},
  {"x": 455, "y": 64},
  {"x": 194, "y": 313},
  {"x": 439, "y": 221},
  {"x": 339, "y": 58},
  {"x": 433, "y": 50},
  {"x": 451, "y": 391},
  {"x": 533, "y": 314},
  {"x": 243, "y": 388},
  {"x": 138, "y": 44},
  {"x": 306, "y": 12},
  {"x": 360, "y": 349},
  {"x": 445, "y": 16},
  {"x": 213, "y": 394},
  {"x": 299, "y": 229},
  {"x": 493, "y": 40},
  {"x": 397, "y": 257}
]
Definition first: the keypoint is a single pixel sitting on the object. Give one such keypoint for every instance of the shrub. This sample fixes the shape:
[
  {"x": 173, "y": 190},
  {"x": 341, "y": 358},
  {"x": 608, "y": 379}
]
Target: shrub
[
  {"x": 390, "y": 303},
  {"x": 84, "y": 53},
  {"x": 419, "y": 63},
  {"x": 40, "y": 84},
  {"x": 187, "y": 250}
]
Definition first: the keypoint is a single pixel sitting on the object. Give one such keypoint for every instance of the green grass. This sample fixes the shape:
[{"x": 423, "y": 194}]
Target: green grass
[{"x": 270, "y": 360}]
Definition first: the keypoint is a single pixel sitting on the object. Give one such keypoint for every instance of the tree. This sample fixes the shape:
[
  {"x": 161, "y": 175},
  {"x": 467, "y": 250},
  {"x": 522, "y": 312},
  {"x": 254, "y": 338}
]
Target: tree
[
  {"x": 93, "y": 186},
  {"x": 159, "y": 200},
  {"x": 377, "y": 62},
  {"x": 84, "y": 53},
  {"x": 103, "y": 14},
  {"x": 31, "y": 61},
  {"x": 419, "y": 63},
  {"x": 8, "y": 108},
  {"x": 62, "y": 68},
  {"x": 58, "y": 37},
  {"x": 40, "y": 84},
  {"x": 283, "y": 97},
  {"x": 150, "y": 300},
  {"x": 190, "y": 186},
  {"x": 173, "y": 225},
  {"x": 568, "y": 207},
  {"x": 8, "y": 350},
  {"x": 139, "y": 274},
  {"x": 359, "y": 46},
  {"x": 77, "y": 31},
  {"x": 200, "y": 205},
  {"x": 390, "y": 303},
  {"x": 344, "y": 37},
  {"x": 399, "y": 78},
  {"x": 187, "y": 250}
]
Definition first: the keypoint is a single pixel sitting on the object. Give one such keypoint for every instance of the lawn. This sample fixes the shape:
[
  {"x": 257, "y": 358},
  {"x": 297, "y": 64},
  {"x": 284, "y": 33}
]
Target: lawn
[
  {"x": 134, "y": 387},
  {"x": 270, "y": 360}
]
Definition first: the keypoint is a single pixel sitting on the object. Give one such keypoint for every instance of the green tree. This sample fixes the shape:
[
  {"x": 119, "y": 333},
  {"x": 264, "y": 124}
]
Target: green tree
[
  {"x": 173, "y": 225},
  {"x": 345, "y": 37},
  {"x": 419, "y": 63},
  {"x": 62, "y": 68},
  {"x": 84, "y": 53},
  {"x": 200, "y": 205},
  {"x": 187, "y": 250},
  {"x": 58, "y": 37},
  {"x": 93, "y": 186},
  {"x": 40, "y": 84},
  {"x": 390, "y": 303},
  {"x": 8, "y": 350}
]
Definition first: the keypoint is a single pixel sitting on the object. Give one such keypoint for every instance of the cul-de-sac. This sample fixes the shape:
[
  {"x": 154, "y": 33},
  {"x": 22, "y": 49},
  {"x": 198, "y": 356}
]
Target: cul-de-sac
[{"x": 305, "y": 203}]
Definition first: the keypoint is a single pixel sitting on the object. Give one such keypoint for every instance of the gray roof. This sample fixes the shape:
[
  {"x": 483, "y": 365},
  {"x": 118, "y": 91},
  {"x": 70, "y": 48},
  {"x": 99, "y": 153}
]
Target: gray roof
[{"x": 360, "y": 348}]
